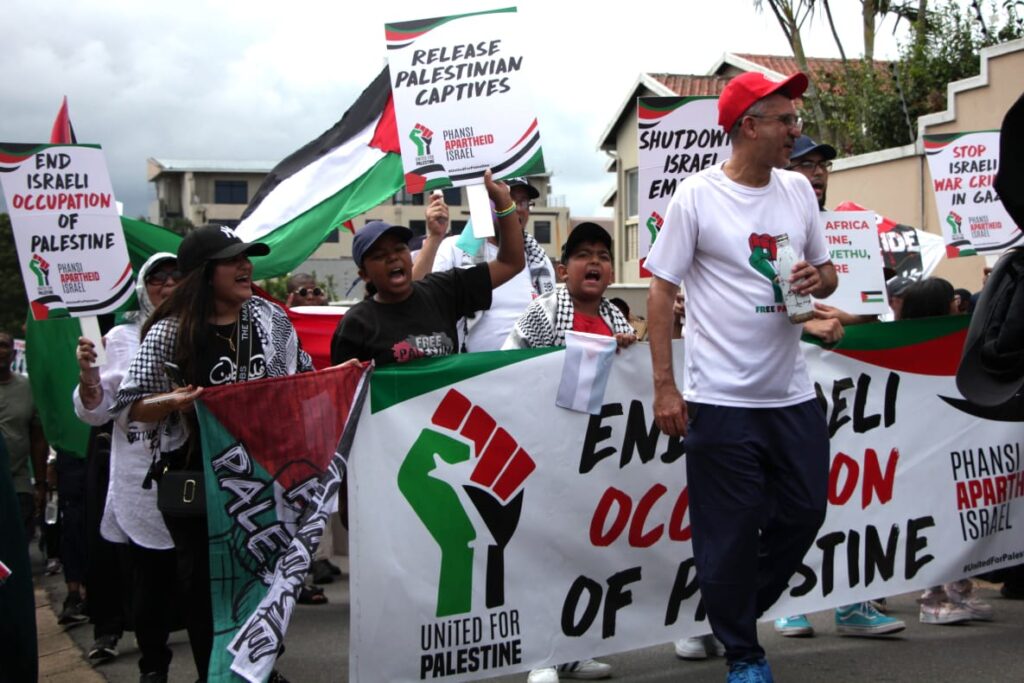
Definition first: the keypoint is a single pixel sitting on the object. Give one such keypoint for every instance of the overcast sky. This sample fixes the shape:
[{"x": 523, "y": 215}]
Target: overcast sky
[{"x": 218, "y": 79}]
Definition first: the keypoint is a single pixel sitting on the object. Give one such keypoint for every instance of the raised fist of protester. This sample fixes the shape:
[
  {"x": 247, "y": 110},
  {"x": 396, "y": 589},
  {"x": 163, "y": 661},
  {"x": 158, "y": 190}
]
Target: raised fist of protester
[
  {"x": 437, "y": 216},
  {"x": 85, "y": 354},
  {"x": 498, "y": 191}
]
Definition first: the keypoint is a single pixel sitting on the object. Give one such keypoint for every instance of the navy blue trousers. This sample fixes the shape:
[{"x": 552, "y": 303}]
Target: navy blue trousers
[{"x": 758, "y": 486}]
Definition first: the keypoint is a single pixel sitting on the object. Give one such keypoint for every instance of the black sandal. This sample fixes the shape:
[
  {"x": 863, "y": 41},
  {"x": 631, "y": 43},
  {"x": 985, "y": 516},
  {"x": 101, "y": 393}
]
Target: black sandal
[{"x": 311, "y": 595}]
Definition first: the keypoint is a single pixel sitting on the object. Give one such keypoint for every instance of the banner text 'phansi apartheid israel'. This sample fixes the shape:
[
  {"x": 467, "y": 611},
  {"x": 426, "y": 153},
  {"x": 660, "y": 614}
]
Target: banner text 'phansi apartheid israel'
[{"x": 494, "y": 532}]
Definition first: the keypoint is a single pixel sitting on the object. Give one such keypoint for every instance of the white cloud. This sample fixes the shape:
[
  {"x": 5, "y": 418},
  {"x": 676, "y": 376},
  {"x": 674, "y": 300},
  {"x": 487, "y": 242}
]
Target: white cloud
[{"x": 218, "y": 79}]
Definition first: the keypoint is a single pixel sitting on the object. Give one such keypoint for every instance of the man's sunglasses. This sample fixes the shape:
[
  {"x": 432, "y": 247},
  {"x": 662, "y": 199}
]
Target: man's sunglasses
[
  {"x": 162, "y": 276},
  {"x": 306, "y": 291}
]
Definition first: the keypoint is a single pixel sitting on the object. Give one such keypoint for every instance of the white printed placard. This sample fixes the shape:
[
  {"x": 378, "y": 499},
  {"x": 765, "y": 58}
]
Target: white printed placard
[
  {"x": 459, "y": 85},
  {"x": 71, "y": 248},
  {"x": 973, "y": 219},
  {"x": 853, "y": 246},
  {"x": 676, "y": 137}
]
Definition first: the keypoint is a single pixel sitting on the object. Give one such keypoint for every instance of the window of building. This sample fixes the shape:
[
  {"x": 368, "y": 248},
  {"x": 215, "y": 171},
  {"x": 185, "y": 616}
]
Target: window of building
[
  {"x": 230, "y": 192},
  {"x": 632, "y": 192},
  {"x": 542, "y": 231},
  {"x": 332, "y": 237},
  {"x": 405, "y": 197},
  {"x": 458, "y": 227},
  {"x": 632, "y": 242},
  {"x": 418, "y": 227},
  {"x": 453, "y": 196}
]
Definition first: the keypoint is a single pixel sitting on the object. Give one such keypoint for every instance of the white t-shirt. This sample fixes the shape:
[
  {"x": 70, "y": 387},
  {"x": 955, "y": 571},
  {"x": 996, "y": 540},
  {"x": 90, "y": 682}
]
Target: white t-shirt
[
  {"x": 741, "y": 350},
  {"x": 489, "y": 329},
  {"x": 130, "y": 512}
]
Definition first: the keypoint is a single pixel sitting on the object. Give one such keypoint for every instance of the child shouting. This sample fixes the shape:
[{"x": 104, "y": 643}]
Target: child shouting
[
  {"x": 405, "y": 320},
  {"x": 586, "y": 269}
]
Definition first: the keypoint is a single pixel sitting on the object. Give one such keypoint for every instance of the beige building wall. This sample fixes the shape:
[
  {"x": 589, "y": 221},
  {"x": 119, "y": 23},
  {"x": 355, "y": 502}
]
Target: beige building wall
[{"x": 897, "y": 182}]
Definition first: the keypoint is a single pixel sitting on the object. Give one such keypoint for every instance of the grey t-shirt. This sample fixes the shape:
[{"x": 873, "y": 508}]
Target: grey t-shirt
[{"x": 16, "y": 415}]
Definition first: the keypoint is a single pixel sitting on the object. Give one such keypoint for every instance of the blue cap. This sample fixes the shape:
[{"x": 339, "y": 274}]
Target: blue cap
[
  {"x": 368, "y": 235},
  {"x": 805, "y": 145}
]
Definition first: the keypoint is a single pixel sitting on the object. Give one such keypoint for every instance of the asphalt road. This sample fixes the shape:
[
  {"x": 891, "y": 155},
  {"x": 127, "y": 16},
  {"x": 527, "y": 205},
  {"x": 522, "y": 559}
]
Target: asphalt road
[{"x": 317, "y": 649}]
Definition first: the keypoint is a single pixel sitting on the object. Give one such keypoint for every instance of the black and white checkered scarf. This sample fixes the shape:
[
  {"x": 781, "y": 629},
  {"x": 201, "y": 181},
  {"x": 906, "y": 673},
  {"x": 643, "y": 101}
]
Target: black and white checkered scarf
[
  {"x": 147, "y": 375},
  {"x": 549, "y": 317}
]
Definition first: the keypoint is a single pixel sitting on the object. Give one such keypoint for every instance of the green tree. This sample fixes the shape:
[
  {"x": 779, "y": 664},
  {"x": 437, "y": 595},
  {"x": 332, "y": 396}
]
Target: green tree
[
  {"x": 13, "y": 303},
  {"x": 867, "y": 108}
]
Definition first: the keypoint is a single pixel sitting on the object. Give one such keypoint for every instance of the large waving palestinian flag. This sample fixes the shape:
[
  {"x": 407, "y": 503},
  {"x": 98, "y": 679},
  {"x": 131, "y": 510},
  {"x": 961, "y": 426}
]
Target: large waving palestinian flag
[
  {"x": 269, "y": 487},
  {"x": 351, "y": 168}
]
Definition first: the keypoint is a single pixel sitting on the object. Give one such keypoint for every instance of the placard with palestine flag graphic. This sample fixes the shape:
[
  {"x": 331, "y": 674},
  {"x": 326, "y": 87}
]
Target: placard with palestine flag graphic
[
  {"x": 71, "y": 248},
  {"x": 490, "y": 535},
  {"x": 460, "y": 90},
  {"x": 676, "y": 138},
  {"x": 963, "y": 169}
]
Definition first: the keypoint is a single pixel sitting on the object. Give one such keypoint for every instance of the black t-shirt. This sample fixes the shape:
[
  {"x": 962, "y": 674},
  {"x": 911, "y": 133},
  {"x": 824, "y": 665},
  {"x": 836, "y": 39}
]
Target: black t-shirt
[
  {"x": 421, "y": 326},
  {"x": 217, "y": 362}
]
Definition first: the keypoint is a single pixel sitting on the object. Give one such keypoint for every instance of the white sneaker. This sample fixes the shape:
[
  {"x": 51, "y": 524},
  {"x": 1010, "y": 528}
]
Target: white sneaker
[
  {"x": 699, "y": 647},
  {"x": 943, "y": 613},
  {"x": 545, "y": 675},
  {"x": 961, "y": 594},
  {"x": 588, "y": 668}
]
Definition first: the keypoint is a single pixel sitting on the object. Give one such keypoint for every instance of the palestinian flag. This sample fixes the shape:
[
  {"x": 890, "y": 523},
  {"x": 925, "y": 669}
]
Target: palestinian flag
[
  {"x": 270, "y": 484},
  {"x": 351, "y": 168},
  {"x": 872, "y": 297}
]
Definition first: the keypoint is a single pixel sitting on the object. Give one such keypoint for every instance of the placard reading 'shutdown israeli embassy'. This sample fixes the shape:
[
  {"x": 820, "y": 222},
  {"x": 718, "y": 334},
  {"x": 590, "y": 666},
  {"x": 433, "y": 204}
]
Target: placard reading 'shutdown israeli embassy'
[
  {"x": 677, "y": 137},
  {"x": 71, "y": 249},
  {"x": 459, "y": 84},
  {"x": 853, "y": 246},
  {"x": 963, "y": 168}
]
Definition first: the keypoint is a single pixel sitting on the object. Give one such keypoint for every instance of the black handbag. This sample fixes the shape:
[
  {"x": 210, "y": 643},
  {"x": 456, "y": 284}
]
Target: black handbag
[{"x": 181, "y": 493}]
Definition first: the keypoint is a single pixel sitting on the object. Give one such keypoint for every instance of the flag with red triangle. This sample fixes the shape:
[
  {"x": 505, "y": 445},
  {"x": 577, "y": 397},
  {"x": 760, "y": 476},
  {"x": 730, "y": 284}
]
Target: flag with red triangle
[{"x": 274, "y": 453}]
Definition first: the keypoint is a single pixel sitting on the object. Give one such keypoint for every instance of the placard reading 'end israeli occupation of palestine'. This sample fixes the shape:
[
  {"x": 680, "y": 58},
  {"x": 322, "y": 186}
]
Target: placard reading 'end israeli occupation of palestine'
[
  {"x": 72, "y": 251},
  {"x": 963, "y": 168},
  {"x": 677, "y": 137},
  {"x": 853, "y": 246},
  {"x": 458, "y": 86}
]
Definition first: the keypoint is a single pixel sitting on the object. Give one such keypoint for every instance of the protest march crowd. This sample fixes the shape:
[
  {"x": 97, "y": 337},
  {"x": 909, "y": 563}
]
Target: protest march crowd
[{"x": 757, "y": 444}]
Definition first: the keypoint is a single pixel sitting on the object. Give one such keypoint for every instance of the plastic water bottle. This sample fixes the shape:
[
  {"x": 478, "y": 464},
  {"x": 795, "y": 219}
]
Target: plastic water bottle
[
  {"x": 798, "y": 306},
  {"x": 50, "y": 514}
]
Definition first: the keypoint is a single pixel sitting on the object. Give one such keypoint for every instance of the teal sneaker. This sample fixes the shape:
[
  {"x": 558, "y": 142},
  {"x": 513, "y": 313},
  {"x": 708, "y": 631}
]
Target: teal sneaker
[
  {"x": 862, "y": 619},
  {"x": 750, "y": 672},
  {"x": 796, "y": 626}
]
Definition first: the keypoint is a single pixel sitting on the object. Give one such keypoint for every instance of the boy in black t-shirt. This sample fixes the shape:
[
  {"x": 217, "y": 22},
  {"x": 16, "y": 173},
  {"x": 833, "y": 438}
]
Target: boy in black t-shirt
[{"x": 405, "y": 320}]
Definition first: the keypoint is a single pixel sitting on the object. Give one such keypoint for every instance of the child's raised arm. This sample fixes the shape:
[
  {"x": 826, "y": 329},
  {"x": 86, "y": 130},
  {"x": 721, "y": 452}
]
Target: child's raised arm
[{"x": 511, "y": 258}]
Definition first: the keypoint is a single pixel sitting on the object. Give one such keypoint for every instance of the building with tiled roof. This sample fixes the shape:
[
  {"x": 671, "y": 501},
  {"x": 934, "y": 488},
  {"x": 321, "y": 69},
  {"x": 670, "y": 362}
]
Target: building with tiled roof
[{"x": 894, "y": 182}]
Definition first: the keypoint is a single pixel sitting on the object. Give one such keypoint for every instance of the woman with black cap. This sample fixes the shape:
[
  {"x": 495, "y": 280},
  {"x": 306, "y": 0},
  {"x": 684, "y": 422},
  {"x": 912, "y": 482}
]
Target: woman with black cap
[{"x": 210, "y": 331}]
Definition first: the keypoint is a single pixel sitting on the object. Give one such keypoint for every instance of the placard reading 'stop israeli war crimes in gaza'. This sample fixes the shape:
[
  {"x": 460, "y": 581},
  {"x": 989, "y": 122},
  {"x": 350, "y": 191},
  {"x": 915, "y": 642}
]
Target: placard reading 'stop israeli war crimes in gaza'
[
  {"x": 459, "y": 85},
  {"x": 963, "y": 168}
]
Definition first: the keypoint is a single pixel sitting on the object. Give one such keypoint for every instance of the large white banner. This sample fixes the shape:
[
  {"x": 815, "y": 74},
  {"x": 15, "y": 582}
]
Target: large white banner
[
  {"x": 963, "y": 168},
  {"x": 459, "y": 84},
  {"x": 495, "y": 532},
  {"x": 676, "y": 138},
  {"x": 72, "y": 251}
]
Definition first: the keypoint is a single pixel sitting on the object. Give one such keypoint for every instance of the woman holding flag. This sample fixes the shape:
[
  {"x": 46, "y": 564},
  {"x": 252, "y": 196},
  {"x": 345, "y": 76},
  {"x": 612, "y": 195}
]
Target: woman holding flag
[{"x": 210, "y": 331}]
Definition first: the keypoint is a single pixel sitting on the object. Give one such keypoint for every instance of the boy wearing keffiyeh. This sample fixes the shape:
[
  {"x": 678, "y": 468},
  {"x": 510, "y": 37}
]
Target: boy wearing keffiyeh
[{"x": 586, "y": 268}]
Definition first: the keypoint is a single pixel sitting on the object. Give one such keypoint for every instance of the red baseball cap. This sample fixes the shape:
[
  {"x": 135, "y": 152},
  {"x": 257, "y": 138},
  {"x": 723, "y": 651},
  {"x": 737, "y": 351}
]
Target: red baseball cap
[{"x": 747, "y": 88}]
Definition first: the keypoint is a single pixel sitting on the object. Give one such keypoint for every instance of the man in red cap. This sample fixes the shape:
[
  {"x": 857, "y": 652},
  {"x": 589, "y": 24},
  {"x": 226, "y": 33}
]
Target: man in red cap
[{"x": 757, "y": 451}]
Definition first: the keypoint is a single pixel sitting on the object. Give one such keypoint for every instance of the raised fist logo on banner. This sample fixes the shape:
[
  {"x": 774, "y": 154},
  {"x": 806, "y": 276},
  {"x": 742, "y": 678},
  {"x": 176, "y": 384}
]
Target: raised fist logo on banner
[{"x": 494, "y": 488}]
